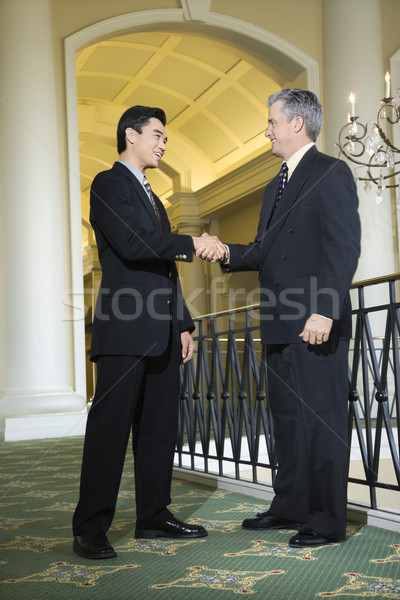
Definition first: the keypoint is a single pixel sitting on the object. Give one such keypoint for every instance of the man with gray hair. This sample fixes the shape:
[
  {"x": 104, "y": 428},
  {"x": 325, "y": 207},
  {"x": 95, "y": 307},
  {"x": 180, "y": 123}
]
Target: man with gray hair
[{"x": 306, "y": 251}]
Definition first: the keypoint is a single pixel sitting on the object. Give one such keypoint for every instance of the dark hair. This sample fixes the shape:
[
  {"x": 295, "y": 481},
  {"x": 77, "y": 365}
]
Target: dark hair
[
  {"x": 301, "y": 103},
  {"x": 135, "y": 117}
]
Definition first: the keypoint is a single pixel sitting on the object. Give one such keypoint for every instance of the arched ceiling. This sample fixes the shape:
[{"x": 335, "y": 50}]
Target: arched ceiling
[{"x": 214, "y": 95}]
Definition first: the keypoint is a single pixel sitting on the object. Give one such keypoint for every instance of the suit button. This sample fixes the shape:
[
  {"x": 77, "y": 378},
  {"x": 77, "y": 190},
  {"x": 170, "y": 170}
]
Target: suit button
[
  {"x": 290, "y": 230},
  {"x": 283, "y": 257},
  {"x": 276, "y": 283},
  {"x": 184, "y": 256},
  {"x": 168, "y": 301}
]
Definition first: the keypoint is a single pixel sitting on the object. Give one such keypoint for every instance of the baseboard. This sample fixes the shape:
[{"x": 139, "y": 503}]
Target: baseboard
[
  {"x": 359, "y": 513},
  {"x": 42, "y": 426},
  {"x": 257, "y": 490}
]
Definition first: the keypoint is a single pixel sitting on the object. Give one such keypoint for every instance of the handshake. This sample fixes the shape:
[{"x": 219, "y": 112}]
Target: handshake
[{"x": 209, "y": 247}]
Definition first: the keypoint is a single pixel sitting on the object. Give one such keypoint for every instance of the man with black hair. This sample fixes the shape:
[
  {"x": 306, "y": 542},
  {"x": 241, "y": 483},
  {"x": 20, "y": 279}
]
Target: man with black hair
[{"x": 141, "y": 333}]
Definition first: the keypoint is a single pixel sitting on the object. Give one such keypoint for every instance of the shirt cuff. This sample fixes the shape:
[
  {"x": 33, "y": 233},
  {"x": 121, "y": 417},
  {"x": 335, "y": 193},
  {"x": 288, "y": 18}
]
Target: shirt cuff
[
  {"x": 225, "y": 261},
  {"x": 323, "y": 316}
]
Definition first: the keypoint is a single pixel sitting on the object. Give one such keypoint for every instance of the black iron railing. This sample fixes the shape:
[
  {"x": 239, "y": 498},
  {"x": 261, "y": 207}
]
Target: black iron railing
[
  {"x": 374, "y": 376},
  {"x": 225, "y": 426}
]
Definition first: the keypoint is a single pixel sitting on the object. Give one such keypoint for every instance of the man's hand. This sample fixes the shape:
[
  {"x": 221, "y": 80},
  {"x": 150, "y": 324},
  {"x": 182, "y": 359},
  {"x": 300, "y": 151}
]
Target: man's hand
[
  {"x": 316, "y": 330},
  {"x": 209, "y": 247},
  {"x": 187, "y": 347}
]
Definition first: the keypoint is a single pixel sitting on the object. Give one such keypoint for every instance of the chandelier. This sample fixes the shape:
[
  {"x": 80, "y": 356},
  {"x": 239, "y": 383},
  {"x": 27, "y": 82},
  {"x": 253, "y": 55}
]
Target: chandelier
[{"x": 371, "y": 146}]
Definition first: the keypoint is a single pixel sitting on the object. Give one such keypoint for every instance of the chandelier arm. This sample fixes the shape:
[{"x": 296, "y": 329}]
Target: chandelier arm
[
  {"x": 394, "y": 108},
  {"x": 385, "y": 138},
  {"x": 369, "y": 148},
  {"x": 352, "y": 138}
]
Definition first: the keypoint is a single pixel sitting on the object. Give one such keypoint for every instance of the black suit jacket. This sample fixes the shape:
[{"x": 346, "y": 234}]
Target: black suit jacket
[
  {"x": 308, "y": 255},
  {"x": 140, "y": 294}
]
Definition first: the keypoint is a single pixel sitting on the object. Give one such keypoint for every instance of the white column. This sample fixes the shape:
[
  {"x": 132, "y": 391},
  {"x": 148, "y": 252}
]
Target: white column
[
  {"x": 353, "y": 63},
  {"x": 37, "y": 391}
]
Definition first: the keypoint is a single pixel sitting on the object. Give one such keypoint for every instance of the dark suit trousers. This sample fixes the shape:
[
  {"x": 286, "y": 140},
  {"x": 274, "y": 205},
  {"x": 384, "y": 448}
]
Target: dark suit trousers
[
  {"x": 308, "y": 395},
  {"x": 139, "y": 394}
]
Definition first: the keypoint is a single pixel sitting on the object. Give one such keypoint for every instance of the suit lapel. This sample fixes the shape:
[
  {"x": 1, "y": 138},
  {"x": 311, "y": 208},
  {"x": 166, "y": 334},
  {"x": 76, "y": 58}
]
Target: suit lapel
[
  {"x": 166, "y": 226},
  {"x": 290, "y": 196},
  {"x": 270, "y": 200},
  {"x": 139, "y": 189}
]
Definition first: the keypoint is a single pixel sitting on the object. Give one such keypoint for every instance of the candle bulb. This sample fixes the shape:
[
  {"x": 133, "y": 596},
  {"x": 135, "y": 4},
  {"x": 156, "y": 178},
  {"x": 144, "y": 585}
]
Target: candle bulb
[
  {"x": 387, "y": 79},
  {"x": 352, "y": 99}
]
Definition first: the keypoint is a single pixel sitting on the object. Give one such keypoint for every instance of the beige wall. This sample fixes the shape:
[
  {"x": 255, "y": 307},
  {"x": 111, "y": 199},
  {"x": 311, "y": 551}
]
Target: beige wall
[
  {"x": 390, "y": 14},
  {"x": 304, "y": 29},
  {"x": 239, "y": 226},
  {"x": 298, "y": 22},
  {"x": 71, "y": 16}
]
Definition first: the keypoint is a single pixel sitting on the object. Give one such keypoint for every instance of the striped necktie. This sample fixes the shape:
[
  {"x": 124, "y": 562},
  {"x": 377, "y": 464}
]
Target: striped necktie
[{"x": 147, "y": 187}]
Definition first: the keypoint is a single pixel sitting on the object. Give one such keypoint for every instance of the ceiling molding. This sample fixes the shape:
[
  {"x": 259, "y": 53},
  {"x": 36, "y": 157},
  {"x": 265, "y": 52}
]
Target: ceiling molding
[
  {"x": 118, "y": 24},
  {"x": 196, "y": 10},
  {"x": 132, "y": 20}
]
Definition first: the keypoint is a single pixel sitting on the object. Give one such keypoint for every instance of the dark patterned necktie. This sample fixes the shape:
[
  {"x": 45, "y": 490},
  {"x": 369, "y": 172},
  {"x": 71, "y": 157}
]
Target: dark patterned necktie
[
  {"x": 283, "y": 177},
  {"x": 283, "y": 174},
  {"x": 147, "y": 187}
]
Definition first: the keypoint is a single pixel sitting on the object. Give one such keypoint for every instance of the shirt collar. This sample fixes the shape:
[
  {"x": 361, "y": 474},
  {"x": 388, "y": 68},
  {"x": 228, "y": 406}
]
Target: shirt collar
[
  {"x": 296, "y": 158},
  {"x": 137, "y": 172}
]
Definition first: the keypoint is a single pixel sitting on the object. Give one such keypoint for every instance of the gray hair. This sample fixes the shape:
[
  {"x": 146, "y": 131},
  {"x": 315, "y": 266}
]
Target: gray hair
[{"x": 301, "y": 103}]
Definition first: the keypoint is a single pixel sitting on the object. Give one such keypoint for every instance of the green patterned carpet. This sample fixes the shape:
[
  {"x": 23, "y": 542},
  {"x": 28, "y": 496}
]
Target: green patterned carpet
[{"x": 39, "y": 483}]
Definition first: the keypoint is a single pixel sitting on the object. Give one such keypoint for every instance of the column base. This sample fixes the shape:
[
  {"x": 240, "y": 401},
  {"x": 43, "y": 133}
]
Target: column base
[
  {"x": 42, "y": 426},
  {"x": 29, "y": 403}
]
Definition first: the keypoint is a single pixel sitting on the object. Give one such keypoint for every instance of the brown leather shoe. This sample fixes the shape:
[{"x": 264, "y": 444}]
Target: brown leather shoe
[
  {"x": 93, "y": 545},
  {"x": 266, "y": 521}
]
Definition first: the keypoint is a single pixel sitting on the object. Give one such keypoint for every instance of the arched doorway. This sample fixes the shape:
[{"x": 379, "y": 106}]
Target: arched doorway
[{"x": 212, "y": 78}]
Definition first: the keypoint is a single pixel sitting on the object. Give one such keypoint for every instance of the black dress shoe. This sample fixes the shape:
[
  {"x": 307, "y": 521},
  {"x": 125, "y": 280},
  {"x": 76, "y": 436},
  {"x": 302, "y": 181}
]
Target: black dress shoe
[
  {"x": 266, "y": 521},
  {"x": 308, "y": 538},
  {"x": 93, "y": 545},
  {"x": 170, "y": 528}
]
